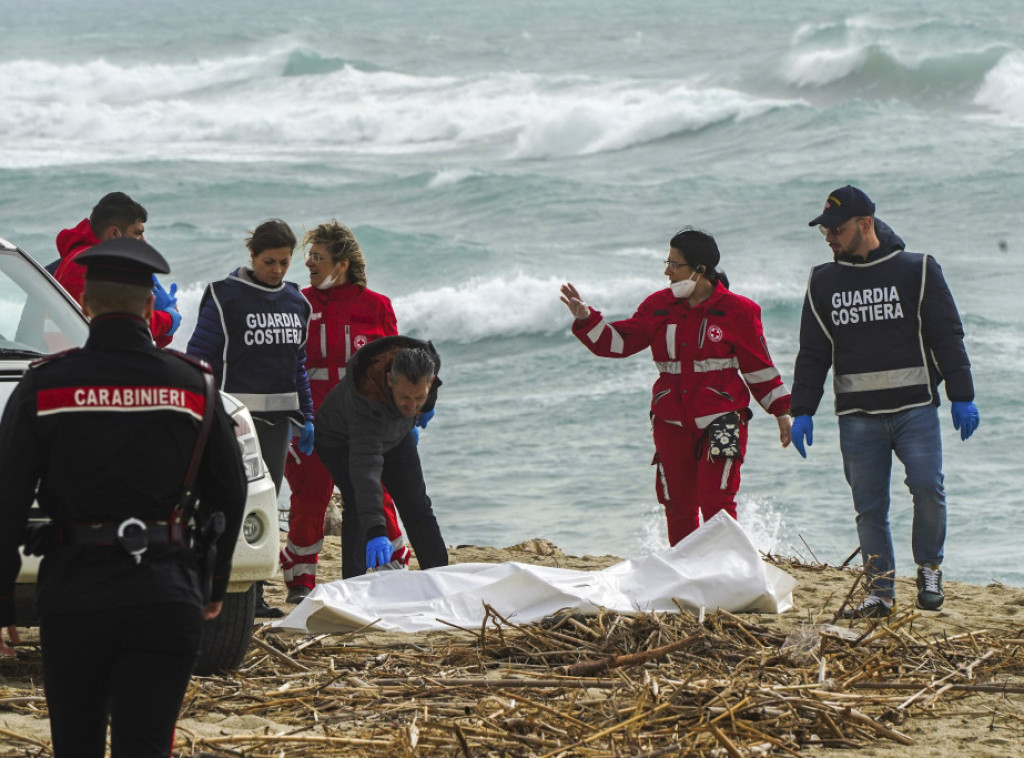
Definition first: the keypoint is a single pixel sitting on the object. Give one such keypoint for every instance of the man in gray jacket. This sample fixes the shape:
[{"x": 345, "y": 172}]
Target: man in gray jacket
[{"x": 364, "y": 438}]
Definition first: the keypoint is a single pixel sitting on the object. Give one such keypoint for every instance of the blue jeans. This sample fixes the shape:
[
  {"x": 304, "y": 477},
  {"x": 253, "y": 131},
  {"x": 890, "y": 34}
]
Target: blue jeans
[{"x": 867, "y": 445}]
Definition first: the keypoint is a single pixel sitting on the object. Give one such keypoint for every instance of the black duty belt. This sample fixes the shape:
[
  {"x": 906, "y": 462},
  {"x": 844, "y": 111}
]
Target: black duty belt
[{"x": 133, "y": 534}]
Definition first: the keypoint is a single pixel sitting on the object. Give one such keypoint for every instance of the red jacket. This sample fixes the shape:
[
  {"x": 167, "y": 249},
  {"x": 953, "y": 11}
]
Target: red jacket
[
  {"x": 707, "y": 355},
  {"x": 71, "y": 275},
  {"x": 344, "y": 319}
]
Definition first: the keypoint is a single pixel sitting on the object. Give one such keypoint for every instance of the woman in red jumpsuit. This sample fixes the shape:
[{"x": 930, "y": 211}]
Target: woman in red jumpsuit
[
  {"x": 709, "y": 347},
  {"x": 346, "y": 315}
]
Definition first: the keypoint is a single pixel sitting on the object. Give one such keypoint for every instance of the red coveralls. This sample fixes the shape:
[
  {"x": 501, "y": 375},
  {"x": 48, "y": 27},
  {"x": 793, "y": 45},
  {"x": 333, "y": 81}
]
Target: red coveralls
[
  {"x": 71, "y": 275},
  {"x": 344, "y": 319},
  {"x": 707, "y": 357}
]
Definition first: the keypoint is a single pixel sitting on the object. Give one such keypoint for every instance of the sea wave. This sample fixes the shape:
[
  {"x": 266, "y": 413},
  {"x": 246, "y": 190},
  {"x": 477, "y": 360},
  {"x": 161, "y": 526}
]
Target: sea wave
[
  {"x": 883, "y": 70},
  {"x": 306, "y": 62},
  {"x": 598, "y": 117},
  {"x": 1003, "y": 88},
  {"x": 488, "y": 307},
  {"x": 450, "y": 177},
  {"x": 292, "y": 99},
  {"x": 862, "y": 56},
  {"x": 495, "y": 307}
]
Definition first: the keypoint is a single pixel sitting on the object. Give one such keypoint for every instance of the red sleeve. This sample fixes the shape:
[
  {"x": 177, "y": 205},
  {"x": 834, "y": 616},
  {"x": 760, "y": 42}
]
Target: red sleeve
[
  {"x": 71, "y": 276},
  {"x": 159, "y": 325},
  {"x": 756, "y": 366},
  {"x": 619, "y": 338},
  {"x": 390, "y": 323}
]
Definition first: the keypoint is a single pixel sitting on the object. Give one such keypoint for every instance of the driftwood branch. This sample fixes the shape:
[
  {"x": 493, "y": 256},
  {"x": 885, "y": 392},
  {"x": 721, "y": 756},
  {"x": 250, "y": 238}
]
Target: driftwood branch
[{"x": 588, "y": 668}]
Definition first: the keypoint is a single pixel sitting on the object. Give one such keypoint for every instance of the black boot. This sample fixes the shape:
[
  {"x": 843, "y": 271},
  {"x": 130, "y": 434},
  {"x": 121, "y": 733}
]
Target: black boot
[{"x": 264, "y": 611}]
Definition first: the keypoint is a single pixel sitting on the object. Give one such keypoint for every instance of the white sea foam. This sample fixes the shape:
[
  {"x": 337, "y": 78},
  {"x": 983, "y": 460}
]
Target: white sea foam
[
  {"x": 816, "y": 68},
  {"x": 218, "y": 110},
  {"x": 486, "y": 307},
  {"x": 1003, "y": 88},
  {"x": 919, "y": 57},
  {"x": 597, "y": 117},
  {"x": 448, "y": 177},
  {"x": 188, "y": 306},
  {"x": 761, "y": 520}
]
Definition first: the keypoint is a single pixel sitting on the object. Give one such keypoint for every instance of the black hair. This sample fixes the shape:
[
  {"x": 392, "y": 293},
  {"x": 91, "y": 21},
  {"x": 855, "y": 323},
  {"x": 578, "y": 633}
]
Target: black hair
[
  {"x": 700, "y": 251},
  {"x": 414, "y": 363},
  {"x": 116, "y": 209},
  {"x": 271, "y": 234}
]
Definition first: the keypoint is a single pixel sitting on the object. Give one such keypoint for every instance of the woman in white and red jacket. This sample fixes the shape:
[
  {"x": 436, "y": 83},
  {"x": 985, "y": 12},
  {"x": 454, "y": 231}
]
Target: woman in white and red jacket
[
  {"x": 346, "y": 315},
  {"x": 709, "y": 347}
]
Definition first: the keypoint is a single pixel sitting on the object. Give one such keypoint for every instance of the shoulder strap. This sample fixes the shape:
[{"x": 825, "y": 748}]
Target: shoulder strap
[{"x": 183, "y": 511}]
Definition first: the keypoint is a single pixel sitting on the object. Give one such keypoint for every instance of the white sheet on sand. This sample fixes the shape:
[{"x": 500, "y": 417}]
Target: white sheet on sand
[{"x": 715, "y": 567}]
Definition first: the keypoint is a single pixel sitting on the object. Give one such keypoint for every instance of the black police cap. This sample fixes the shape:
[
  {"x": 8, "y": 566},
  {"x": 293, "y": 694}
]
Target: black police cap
[{"x": 123, "y": 259}]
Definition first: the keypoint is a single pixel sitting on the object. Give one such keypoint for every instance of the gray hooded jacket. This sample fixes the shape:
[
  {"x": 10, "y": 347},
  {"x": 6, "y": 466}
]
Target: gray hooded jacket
[{"x": 358, "y": 418}]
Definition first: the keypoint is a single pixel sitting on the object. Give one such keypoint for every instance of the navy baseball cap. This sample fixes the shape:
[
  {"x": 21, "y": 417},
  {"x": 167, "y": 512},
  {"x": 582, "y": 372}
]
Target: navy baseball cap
[
  {"x": 842, "y": 205},
  {"x": 123, "y": 259}
]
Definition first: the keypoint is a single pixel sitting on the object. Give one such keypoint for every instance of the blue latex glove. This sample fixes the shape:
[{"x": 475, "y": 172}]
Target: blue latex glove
[
  {"x": 306, "y": 439},
  {"x": 415, "y": 435},
  {"x": 175, "y": 320},
  {"x": 803, "y": 427},
  {"x": 965, "y": 418},
  {"x": 378, "y": 552},
  {"x": 162, "y": 299},
  {"x": 424, "y": 418}
]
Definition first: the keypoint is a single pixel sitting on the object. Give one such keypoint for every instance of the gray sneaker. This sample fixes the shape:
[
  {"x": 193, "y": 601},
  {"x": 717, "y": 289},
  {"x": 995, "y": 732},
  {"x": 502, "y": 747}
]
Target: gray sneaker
[
  {"x": 873, "y": 607},
  {"x": 929, "y": 588}
]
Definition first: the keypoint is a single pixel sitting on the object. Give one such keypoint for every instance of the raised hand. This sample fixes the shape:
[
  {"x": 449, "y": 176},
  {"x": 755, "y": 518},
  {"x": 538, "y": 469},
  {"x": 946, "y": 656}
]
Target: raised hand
[{"x": 574, "y": 301}]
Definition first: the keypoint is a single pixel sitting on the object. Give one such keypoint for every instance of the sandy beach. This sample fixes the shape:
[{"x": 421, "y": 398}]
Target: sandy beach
[{"x": 344, "y": 695}]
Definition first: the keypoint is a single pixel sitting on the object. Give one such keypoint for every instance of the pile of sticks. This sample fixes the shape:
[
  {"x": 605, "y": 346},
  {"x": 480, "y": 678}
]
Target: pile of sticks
[
  {"x": 639, "y": 685},
  {"x": 713, "y": 684}
]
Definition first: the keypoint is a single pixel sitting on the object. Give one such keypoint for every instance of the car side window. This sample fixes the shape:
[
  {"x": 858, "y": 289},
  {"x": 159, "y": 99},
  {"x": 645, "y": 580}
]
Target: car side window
[{"x": 34, "y": 315}]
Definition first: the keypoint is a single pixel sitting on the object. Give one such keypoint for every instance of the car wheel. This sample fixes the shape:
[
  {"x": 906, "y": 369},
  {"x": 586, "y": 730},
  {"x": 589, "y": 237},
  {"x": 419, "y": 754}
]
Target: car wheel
[{"x": 226, "y": 638}]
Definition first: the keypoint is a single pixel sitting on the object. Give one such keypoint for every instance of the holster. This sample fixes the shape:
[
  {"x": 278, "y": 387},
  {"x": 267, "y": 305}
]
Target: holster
[
  {"x": 206, "y": 552},
  {"x": 39, "y": 538}
]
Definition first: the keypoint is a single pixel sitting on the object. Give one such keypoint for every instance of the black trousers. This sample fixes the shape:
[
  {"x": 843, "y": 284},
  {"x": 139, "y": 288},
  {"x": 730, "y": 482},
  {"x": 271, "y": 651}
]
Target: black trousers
[
  {"x": 403, "y": 477},
  {"x": 274, "y": 431},
  {"x": 129, "y": 666}
]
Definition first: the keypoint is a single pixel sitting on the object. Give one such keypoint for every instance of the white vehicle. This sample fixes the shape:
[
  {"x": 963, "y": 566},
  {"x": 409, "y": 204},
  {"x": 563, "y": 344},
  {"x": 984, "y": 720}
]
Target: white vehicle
[{"x": 37, "y": 318}]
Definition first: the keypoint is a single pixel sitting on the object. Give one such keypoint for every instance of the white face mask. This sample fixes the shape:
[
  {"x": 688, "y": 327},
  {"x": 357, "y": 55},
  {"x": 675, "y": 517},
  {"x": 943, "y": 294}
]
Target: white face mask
[
  {"x": 685, "y": 288},
  {"x": 329, "y": 281}
]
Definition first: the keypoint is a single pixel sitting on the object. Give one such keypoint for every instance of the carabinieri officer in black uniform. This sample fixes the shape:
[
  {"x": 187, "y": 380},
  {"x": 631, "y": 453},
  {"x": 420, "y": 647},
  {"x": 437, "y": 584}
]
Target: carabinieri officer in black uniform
[{"x": 108, "y": 433}]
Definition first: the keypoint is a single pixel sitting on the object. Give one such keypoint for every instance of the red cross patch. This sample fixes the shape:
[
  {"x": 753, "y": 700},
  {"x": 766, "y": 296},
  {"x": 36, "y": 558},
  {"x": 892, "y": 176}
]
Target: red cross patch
[{"x": 715, "y": 333}]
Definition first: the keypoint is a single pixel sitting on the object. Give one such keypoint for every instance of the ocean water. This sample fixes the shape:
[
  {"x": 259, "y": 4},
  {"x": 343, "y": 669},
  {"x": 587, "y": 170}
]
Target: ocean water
[{"x": 486, "y": 152}]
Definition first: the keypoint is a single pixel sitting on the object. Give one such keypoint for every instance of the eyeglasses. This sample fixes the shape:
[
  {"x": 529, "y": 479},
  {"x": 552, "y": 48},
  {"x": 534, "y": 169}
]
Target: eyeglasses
[
  {"x": 675, "y": 265},
  {"x": 316, "y": 257},
  {"x": 835, "y": 231}
]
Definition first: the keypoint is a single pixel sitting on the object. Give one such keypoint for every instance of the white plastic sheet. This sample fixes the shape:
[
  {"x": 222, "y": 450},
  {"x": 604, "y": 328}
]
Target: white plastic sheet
[{"x": 715, "y": 567}]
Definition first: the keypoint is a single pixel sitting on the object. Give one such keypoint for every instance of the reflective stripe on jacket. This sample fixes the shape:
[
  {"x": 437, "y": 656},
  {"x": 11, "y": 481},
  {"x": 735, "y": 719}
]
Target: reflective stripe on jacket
[
  {"x": 711, "y": 357},
  {"x": 344, "y": 318},
  {"x": 889, "y": 330},
  {"x": 254, "y": 338}
]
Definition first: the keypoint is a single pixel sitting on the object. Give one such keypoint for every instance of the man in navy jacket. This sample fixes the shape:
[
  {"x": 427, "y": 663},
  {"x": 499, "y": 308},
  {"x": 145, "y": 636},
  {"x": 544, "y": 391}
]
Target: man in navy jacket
[{"x": 885, "y": 322}]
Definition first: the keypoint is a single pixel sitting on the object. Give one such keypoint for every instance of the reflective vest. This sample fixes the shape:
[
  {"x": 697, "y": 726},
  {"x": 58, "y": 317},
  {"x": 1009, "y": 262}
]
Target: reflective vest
[
  {"x": 871, "y": 314},
  {"x": 264, "y": 333}
]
